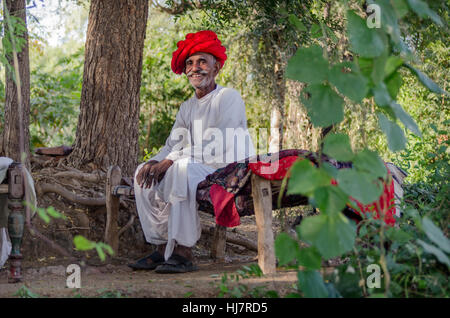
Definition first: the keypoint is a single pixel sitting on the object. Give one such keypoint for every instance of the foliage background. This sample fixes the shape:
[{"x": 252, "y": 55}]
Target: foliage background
[{"x": 57, "y": 75}]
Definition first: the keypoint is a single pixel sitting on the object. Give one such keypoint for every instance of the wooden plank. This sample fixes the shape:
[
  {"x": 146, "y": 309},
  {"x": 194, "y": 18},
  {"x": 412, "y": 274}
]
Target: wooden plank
[
  {"x": 262, "y": 201},
  {"x": 113, "y": 178},
  {"x": 219, "y": 243},
  {"x": 123, "y": 190},
  {"x": 3, "y": 188}
]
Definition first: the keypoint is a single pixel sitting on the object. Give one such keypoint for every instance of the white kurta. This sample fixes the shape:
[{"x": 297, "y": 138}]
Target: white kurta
[{"x": 208, "y": 133}]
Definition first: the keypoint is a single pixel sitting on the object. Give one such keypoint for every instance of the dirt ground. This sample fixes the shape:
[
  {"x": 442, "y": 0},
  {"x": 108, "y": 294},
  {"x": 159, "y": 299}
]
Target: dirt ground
[
  {"x": 46, "y": 276},
  {"x": 44, "y": 269},
  {"x": 120, "y": 281}
]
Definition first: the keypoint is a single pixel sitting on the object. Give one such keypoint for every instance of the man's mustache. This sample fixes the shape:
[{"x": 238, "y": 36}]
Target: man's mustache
[{"x": 202, "y": 72}]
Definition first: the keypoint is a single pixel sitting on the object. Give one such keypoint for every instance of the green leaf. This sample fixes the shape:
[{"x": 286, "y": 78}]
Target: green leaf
[
  {"x": 316, "y": 31},
  {"x": 330, "y": 169},
  {"x": 24, "y": 292},
  {"x": 393, "y": 83},
  {"x": 381, "y": 95},
  {"x": 398, "y": 235},
  {"x": 400, "y": 7},
  {"x": 369, "y": 161},
  {"x": 435, "y": 234},
  {"x": 406, "y": 119},
  {"x": 308, "y": 65},
  {"x": 286, "y": 248},
  {"x": 309, "y": 257},
  {"x": 364, "y": 41},
  {"x": 365, "y": 66},
  {"x": 392, "y": 64},
  {"x": 331, "y": 234},
  {"x": 349, "y": 83},
  {"x": 337, "y": 146},
  {"x": 324, "y": 105},
  {"x": 347, "y": 282},
  {"x": 305, "y": 178},
  {"x": 389, "y": 19},
  {"x": 55, "y": 214},
  {"x": 431, "y": 249},
  {"x": 82, "y": 243},
  {"x": 360, "y": 185},
  {"x": 330, "y": 199},
  {"x": 43, "y": 215},
  {"x": 297, "y": 23},
  {"x": 422, "y": 9},
  {"x": 100, "y": 253},
  {"x": 312, "y": 285},
  {"x": 395, "y": 136},
  {"x": 378, "y": 69},
  {"x": 333, "y": 292},
  {"x": 425, "y": 80},
  {"x": 107, "y": 248}
]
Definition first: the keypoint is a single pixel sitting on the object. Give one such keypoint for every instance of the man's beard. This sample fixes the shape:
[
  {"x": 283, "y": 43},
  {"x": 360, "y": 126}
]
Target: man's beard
[{"x": 204, "y": 83}]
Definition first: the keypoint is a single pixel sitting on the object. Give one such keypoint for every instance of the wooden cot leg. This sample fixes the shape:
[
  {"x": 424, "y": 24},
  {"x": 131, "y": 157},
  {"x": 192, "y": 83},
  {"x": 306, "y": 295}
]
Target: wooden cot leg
[
  {"x": 262, "y": 201},
  {"x": 16, "y": 220},
  {"x": 219, "y": 243},
  {"x": 113, "y": 179}
]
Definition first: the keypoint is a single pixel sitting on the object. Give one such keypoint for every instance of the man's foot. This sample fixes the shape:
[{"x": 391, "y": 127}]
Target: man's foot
[
  {"x": 176, "y": 264},
  {"x": 151, "y": 261},
  {"x": 179, "y": 262}
]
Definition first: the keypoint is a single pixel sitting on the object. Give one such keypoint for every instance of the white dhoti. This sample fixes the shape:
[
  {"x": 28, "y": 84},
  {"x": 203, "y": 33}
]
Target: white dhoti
[{"x": 168, "y": 210}]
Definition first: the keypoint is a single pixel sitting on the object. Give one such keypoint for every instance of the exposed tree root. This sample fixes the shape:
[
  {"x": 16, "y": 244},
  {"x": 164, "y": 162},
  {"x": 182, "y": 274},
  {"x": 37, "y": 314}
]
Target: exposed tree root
[
  {"x": 129, "y": 224},
  {"x": 90, "y": 177},
  {"x": 43, "y": 188}
]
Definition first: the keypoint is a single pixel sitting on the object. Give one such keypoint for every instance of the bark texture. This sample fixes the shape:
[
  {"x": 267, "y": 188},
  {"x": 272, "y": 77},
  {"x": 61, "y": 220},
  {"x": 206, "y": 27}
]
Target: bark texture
[
  {"x": 107, "y": 132},
  {"x": 17, "y": 117},
  {"x": 277, "y": 112}
]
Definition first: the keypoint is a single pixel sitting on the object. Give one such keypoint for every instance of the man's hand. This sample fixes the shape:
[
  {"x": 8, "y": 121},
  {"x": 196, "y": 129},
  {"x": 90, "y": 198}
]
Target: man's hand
[
  {"x": 144, "y": 173},
  {"x": 152, "y": 171}
]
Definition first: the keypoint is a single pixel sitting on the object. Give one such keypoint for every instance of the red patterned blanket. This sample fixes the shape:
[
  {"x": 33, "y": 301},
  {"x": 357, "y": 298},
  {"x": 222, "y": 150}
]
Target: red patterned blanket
[{"x": 226, "y": 193}]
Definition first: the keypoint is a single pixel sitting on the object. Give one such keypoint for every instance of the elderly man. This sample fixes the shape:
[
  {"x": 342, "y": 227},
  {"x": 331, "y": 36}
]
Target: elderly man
[{"x": 203, "y": 139}]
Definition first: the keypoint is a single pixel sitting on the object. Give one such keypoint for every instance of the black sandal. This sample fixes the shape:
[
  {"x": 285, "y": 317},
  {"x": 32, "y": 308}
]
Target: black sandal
[
  {"x": 156, "y": 257},
  {"x": 176, "y": 264}
]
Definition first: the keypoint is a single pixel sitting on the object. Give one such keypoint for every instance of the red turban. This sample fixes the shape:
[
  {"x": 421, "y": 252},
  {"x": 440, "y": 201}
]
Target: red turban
[{"x": 202, "y": 41}]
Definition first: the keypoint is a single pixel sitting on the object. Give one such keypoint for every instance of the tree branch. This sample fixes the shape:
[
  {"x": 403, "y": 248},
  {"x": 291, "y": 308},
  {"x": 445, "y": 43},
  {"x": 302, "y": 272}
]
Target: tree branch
[{"x": 177, "y": 7}]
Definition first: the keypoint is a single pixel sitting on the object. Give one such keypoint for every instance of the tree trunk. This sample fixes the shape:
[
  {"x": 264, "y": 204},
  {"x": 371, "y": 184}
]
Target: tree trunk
[
  {"x": 277, "y": 113},
  {"x": 108, "y": 124},
  {"x": 16, "y": 136}
]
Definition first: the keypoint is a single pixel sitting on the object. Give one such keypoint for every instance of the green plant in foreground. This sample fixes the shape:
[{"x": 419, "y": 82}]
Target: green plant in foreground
[
  {"x": 46, "y": 213},
  {"x": 373, "y": 74},
  {"x": 24, "y": 292},
  {"x": 83, "y": 244},
  {"x": 239, "y": 290},
  {"x": 105, "y": 293}
]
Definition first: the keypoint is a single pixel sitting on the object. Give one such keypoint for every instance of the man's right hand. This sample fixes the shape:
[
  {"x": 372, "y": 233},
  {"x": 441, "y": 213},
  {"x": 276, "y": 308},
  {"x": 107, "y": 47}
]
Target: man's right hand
[
  {"x": 145, "y": 172},
  {"x": 152, "y": 171}
]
